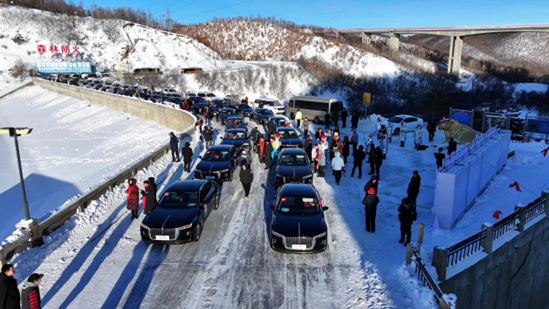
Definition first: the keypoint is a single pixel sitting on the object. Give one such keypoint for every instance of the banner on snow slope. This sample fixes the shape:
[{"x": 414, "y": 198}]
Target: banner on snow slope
[
  {"x": 462, "y": 116},
  {"x": 63, "y": 67},
  {"x": 537, "y": 125}
]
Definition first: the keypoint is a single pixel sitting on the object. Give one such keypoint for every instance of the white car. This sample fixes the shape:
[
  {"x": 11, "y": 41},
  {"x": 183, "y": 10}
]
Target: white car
[
  {"x": 209, "y": 96},
  {"x": 410, "y": 123},
  {"x": 270, "y": 104}
]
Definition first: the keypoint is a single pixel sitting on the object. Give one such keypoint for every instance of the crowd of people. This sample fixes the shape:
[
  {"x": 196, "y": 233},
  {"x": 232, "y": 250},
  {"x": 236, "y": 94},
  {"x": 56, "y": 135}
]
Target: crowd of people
[{"x": 11, "y": 298}]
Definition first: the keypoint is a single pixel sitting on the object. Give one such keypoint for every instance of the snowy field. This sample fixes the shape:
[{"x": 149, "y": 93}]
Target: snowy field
[
  {"x": 74, "y": 147},
  {"x": 97, "y": 259}
]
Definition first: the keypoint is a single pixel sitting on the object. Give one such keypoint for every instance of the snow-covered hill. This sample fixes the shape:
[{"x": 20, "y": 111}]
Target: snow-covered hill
[
  {"x": 242, "y": 39},
  {"x": 104, "y": 42}
]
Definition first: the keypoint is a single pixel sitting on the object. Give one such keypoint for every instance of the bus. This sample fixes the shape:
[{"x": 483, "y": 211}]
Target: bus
[
  {"x": 314, "y": 108},
  {"x": 192, "y": 70}
]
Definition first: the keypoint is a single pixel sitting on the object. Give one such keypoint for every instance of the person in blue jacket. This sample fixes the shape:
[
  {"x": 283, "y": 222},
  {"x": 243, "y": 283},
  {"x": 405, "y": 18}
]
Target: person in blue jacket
[{"x": 174, "y": 146}]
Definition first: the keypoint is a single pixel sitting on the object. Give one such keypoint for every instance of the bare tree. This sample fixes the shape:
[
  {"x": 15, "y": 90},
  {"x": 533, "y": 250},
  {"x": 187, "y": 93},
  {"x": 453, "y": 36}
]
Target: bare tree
[
  {"x": 112, "y": 29},
  {"x": 20, "y": 69}
]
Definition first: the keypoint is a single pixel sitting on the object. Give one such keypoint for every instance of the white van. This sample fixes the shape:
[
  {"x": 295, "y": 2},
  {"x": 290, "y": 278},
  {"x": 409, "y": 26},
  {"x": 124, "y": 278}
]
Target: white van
[{"x": 314, "y": 108}]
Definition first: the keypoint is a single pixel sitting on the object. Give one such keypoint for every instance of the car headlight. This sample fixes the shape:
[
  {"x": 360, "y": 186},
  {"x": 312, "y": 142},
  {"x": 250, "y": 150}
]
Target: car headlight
[
  {"x": 144, "y": 226},
  {"x": 188, "y": 226},
  {"x": 320, "y": 235},
  {"x": 224, "y": 171},
  {"x": 276, "y": 234}
]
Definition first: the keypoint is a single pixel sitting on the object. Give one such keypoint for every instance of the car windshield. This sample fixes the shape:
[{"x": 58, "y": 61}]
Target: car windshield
[
  {"x": 211, "y": 95},
  {"x": 396, "y": 119},
  {"x": 298, "y": 206},
  {"x": 178, "y": 200},
  {"x": 292, "y": 160},
  {"x": 234, "y": 135},
  {"x": 288, "y": 134},
  {"x": 229, "y": 112},
  {"x": 279, "y": 122},
  {"x": 234, "y": 122},
  {"x": 216, "y": 155}
]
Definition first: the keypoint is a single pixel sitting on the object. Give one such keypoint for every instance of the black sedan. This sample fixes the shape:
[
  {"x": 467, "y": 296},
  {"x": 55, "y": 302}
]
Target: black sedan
[
  {"x": 181, "y": 212},
  {"x": 235, "y": 137},
  {"x": 233, "y": 122},
  {"x": 200, "y": 108},
  {"x": 298, "y": 224},
  {"x": 244, "y": 109},
  {"x": 221, "y": 104},
  {"x": 261, "y": 115},
  {"x": 293, "y": 165},
  {"x": 289, "y": 138},
  {"x": 226, "y": 113},
  {"x": 217, "y": 164}
]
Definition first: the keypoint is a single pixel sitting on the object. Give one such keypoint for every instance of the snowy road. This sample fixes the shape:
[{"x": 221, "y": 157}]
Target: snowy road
[{"x": 232, "y": 265}]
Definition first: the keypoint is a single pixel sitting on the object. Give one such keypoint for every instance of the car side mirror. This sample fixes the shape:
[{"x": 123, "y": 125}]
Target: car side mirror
[
  {"x": 324, "y": 208},
  {"x": 272, "y": 207}
]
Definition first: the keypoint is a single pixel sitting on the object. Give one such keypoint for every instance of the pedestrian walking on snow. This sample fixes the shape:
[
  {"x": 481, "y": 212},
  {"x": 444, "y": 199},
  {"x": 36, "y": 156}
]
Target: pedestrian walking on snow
[
  {"x": 133, "y": 198},
  {"x": 335, "y": 118},
  {"x": 372, "y": 183},
  {"x": 402, "y": 134},
  {"x": 344, "y": 118},
  {"x": 30, "y": 293},
  {"x": 308, "y": 146},
  {"x": 321, "y": 161},
  {"x": 338, "y": 165},
  {"x": 246, "y": 178},
  {"x": 268, "y": 154},
  {"x": 431, "y": 128},
  {"x": 440, "y": 158},
  {"x": 174, "y": 147},
  {"x": 372, "y": 160},
  {"x": 327, "y": 119},
  {"x": 354, "y": 140},
  {"x": 9, "y": 293},
  {"x": 406, "y": 215},
  {"x": 298, "y": 117},
  {"x": 370, "y": 202},
  {"x": 318, "y": 134},
  {"x": 413, "y": 187},
  {"x": 384, "y": 145},
  {"x": 153, "y": 186},
  {"x": 358, "y": 156},
  {"x": 354, "y": 120},
  {"x": 208, "y": 136},
  {"x": 261, "y": 149},
  {"x": 187, "y": 154},
  {"x": 306, "y": 126},
  {"x": 345, "y": 148},
  {"x": 378, "y": 161}
]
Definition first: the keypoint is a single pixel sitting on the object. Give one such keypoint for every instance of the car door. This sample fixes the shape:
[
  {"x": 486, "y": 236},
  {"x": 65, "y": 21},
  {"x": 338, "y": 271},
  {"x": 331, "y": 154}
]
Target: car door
[
  {"x": 205, "y": 198},
  {"x": 409, "y": 123}
]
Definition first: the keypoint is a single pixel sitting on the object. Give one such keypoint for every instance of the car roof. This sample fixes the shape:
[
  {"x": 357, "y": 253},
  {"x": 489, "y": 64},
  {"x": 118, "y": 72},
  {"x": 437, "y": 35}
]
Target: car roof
[
  {"x": 187, "y": 185},
  {"x": 285, "y": 129},
  {"x": 234, "y": 116},
  {"x": 236, "y": 130},
  {"x": 298, "y": 190},
  {"x": 221, "y": 147},
  {"x": 292, "y": 151},
  {"x": 227, "y": 109}
]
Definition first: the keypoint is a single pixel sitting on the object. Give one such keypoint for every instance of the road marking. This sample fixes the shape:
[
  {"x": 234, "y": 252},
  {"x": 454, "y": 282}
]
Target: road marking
[{"x": 237, "y": 192}]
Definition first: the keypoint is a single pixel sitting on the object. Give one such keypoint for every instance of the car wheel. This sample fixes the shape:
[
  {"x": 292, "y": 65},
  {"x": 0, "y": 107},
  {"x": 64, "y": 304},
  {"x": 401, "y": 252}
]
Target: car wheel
[
  {"x": 397, "y": 131},
  {"x": 292, "y": 116},
  {"x": 197, "y": 231},
  {"x": 216, "y": 205},
  {"x": 316, "y": 120},
  {"x": 231, "y": 174}
]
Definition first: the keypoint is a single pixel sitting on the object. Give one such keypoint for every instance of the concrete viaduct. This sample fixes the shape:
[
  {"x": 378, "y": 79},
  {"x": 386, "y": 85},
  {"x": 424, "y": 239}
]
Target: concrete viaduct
[{"x": 456, "y": 35}]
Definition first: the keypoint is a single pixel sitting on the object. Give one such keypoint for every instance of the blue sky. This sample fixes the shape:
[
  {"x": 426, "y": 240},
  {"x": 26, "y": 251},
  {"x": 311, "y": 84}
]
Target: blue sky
[{"x": 353, "y": 13}]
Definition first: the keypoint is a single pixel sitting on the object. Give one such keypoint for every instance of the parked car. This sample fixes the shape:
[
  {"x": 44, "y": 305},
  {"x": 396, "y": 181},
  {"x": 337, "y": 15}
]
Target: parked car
[
  {"x": 289, "y": 138},
  {"x": 225, "y": 113},
  {"x": 293, "y": 165},
  {"x": 261, "y": 115},
  {"x": 279, "y": 121},
  {"x": 235, "y": 137},
  {"x": 244, "y": 109},
  {"x": 410, "y": 123},
  {"x": 297, "y": 222},
  {"x": 232, "y": 98},
  {"x": 209, "y": 96},
  {"x": 221, "y": 103},
  {"x": 200, "y": 108},
  {"x": 218, "y": 163},
  {"x": 181, "y": 212},
  {"x": 270, "y": 104}
]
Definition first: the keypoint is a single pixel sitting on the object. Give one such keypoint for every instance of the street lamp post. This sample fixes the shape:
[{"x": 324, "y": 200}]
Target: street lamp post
[{"x": 15, "y": 132}]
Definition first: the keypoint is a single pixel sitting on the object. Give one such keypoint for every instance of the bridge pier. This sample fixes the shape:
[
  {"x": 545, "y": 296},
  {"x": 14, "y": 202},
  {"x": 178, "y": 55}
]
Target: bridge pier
[
  {"x": 394, "y": 41},
  {"x": 366, "y": 38},
  {"x": 454, "y": 57}
]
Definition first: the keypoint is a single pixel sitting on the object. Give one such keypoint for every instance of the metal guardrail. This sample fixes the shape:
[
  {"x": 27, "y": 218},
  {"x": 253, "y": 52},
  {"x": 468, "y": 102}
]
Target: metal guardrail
[
  {"x": 466, "y": 149},
  {"x": 443, "y": 257},
  {"x": 425, "y": 277}
]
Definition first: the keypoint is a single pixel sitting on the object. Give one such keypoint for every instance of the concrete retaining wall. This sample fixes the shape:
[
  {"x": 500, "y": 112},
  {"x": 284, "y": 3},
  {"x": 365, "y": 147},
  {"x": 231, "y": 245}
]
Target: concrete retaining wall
[
  {"x": 172, "y": 118},
  {"x": 516, "y": 275}
]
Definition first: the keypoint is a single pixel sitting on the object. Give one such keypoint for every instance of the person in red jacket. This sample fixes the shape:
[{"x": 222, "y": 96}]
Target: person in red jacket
[
  {"x": 30, "y": 294},
  {"x": 262, "y": 149},
  {"x": 133, "y": 198}
]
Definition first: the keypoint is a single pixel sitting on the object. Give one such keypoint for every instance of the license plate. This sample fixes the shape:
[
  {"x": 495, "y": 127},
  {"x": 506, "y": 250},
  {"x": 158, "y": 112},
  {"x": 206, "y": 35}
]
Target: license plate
[
  {"x": 162, "y": 237},
  {"x": 210, "y": 177},
  {"x": 299, "y": 247}
]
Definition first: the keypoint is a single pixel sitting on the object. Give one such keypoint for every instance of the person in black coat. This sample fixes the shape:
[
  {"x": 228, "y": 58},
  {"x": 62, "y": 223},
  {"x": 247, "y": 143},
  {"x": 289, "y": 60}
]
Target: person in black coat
[
  {"x": 255, "y": 139},
  {"x": 431, "y": 128},
  {"x": 174, "y": 147},
  {"x": 354, "y": 120},
  {"x": 149, "y": 197},
  {"x": 327, "y": 119},
  {"x": 154, "y": 187},
  {"x": 379, "y": 161},
  {"x": 372, "y": 183},
  {"x": 9, "y": 293},
  {"x": 335, "y": 118},
  {"x": 359, "y": 157},
  {"x": 344, "y": 118},
  {"x": 406, "y": 215},
  {"x": 413, "y": 187},
  {"x": 208, "y": 136},
  {"x": 246, "y": 178},
  {"x": 187, "y": 154},
  {"x": 372, "y": 160},
  {"x": 370, "y": 202},
  {"x": 440, "y": 157},
  {"x": 270, "y": 127},
  {"x": 345, "y": 148},
  {"x": 308, "y": 146},
  {"x": 452, "y": 146},
  {"x": 268, "y": 152}
]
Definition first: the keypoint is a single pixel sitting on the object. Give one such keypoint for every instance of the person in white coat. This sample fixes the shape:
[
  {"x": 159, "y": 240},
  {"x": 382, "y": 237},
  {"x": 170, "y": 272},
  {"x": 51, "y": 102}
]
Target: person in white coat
[
  {"x": 378, "y": 128},
  {"x": 337, "y": 166},
  {"x": 390, "y": 131},
  {"x": 417, "y": 137},
  {"x": 384, "y": 145},
  {"x": 402, "y": 134},
  {"x": 369, "y": 143}
]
